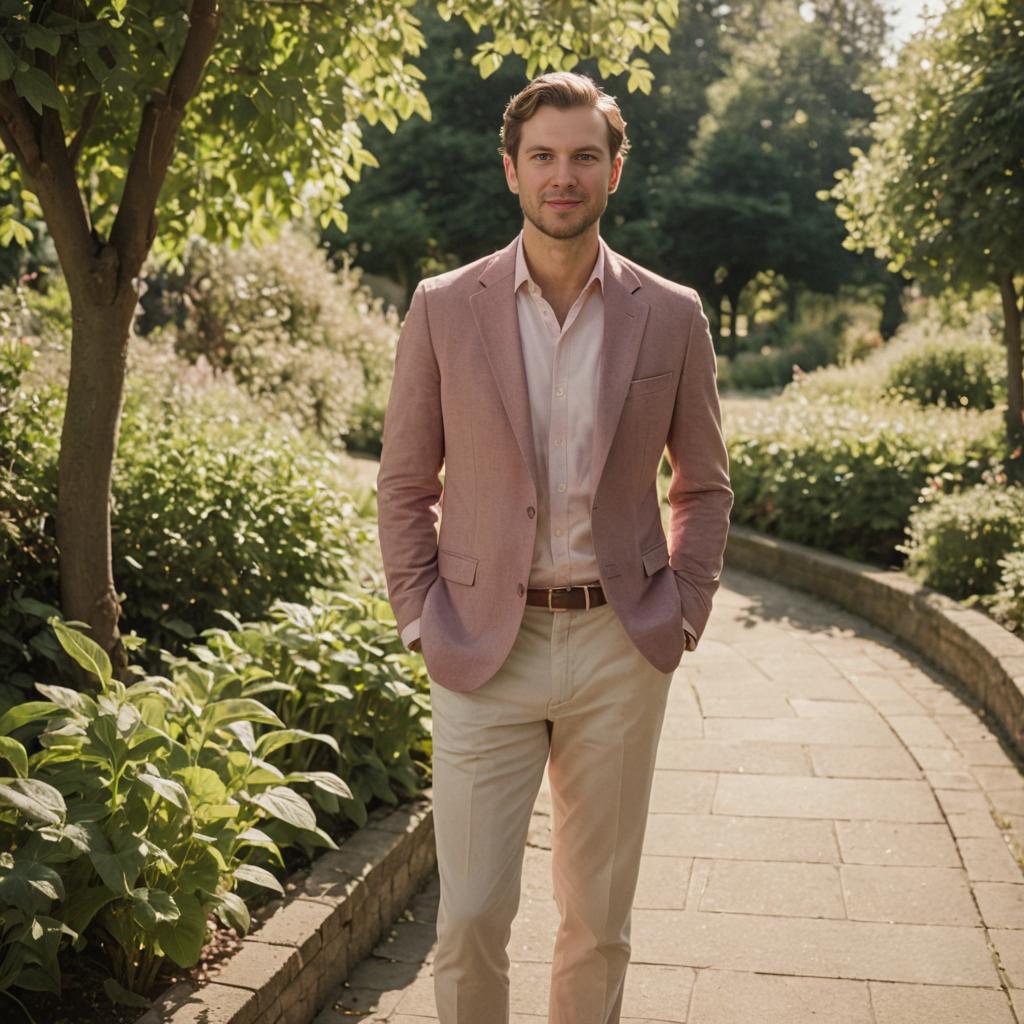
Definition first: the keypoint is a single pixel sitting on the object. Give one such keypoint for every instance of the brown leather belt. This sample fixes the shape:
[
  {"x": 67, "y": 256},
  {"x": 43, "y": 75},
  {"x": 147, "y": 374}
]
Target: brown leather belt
[{"x": 563, "y": 599}]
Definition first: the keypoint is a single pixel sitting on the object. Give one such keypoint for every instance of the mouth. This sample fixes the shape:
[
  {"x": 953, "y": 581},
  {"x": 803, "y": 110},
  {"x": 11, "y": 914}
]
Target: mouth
[{"x": 563, "y": 204}]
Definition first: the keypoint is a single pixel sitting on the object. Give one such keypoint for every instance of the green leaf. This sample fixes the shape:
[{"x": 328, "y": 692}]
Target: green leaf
[
  {"x": 173, "y": 792},
  {"x": 234, "y": 912},
  {"x": 203, "y": 786},
  {"x": 118, "y": 863},
  {"x": 272, "y": 741},
  {"x": 327, "y": 781},
  {"x": 72, "y": 700},
  {"x": 150, "y": 907},
  {"x": 15, "y": 753},
  {"x": 117, "y": 993},
  {"x": 82, "y": 905},
  {"x": 182, "y": 940},
  {"x": 36, "y": 800},
  {"x": 258, "y": 876},
  {"x": 238, "y": 709},
  {"x": 84, "y": 650},
  {"x": 29, "y": 885},
  {"x": 21, "y": 714},
  {"x": 286, "y": 805}
]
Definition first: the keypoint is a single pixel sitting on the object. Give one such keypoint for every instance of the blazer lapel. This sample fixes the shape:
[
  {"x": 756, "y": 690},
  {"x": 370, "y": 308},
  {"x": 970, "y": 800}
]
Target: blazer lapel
[
  {"x": 494, "y": 308},
  {"x": 625, "y": 316}
]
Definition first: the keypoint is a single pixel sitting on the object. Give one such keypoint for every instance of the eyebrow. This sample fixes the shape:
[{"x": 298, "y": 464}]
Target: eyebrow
[{"x": 579, "y": 149}]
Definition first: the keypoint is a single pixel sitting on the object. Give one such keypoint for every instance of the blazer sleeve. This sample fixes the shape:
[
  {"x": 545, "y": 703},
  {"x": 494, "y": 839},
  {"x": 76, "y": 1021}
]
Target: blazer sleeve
[
  {"x": 699, "y": 494},
  {"x": 412, "y": 454}
]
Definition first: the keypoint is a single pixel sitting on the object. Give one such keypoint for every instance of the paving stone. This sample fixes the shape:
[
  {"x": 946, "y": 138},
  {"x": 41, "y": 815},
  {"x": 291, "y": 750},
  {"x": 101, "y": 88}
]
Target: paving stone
[
  {"x": 663, "y": 882},
  {"x": 1009, "y": 945},
  {"x": 841, "y": 709},
  {"x": 750, "y": 707},
  {"x": 800, "y": 730},
  {"x": 723, "y": 756},
  {"x": 863, "y": 762},
  {"x": 730, "y": 997},
  {"x": 986, "y": 753},
  {"x": 786, "y": 889},
  {"x": 912, "y": 895},
  {"x": 919, "y": 730},
  {"x": 938, "y": 1004},
  {"x": 896, "y": 843},
  {"x": 989, "y": 860},
  {"x": 796, "y": 797},
  {"x": 818, "y": 947},
  {"x": 741, "y": 838},
  {"x": 1001, "y": 903},
  {"x": 675, "y": 792}
]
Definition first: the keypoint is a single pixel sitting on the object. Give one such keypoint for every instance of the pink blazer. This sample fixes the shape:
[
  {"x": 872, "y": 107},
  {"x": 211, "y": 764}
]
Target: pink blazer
[{"x": 458, "y": 556}]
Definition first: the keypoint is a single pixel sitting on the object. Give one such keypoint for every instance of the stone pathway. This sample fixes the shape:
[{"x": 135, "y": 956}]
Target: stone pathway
[{"x": 832, "y": 839}]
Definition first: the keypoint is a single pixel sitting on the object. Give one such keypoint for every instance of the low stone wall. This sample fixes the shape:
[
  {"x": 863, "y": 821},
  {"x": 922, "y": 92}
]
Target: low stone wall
[
  {"x": 287, "y": 968},
  {"x": 986, "y": 659}
]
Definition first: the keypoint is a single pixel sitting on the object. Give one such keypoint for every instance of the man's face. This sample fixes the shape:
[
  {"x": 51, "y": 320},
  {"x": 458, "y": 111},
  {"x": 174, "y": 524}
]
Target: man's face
[{"x": 563, "y": 173}]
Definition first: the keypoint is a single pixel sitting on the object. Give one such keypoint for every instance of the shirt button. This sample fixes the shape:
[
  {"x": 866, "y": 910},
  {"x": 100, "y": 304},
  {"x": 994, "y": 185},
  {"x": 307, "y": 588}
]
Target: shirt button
[
  {"x": 520, "y": 590},
  {"x": 558, "y": 533},
  {"x": 560, "y": 392},
  {"x": 531, "y": 511},
  {"x": 561, "y": 487},
  {"x": 558, "y": 441}
]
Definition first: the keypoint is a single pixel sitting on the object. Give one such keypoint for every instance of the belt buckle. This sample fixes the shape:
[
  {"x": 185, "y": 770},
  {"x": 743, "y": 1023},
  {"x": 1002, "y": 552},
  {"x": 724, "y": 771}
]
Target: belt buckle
[{"x": 551, "y": 590}]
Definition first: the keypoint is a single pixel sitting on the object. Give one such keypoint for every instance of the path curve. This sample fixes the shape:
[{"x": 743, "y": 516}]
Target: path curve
[{"x": 834, "y": 838}]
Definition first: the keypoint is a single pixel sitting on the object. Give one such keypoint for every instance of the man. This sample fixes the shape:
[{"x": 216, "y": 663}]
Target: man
[{"x": 548, "y": 379}]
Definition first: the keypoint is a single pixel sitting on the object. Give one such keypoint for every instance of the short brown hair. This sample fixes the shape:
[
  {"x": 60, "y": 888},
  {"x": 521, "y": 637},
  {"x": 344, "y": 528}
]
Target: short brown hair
[{"x": 564, "y": 90}]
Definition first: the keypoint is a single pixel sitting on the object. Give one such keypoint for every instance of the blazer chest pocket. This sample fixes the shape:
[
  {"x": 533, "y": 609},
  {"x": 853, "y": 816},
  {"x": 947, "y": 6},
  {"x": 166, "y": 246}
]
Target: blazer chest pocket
[
  {"x": 655, "y": 558},
  {"x": 647, "y": 385},
  {"x": 455, "y": 567}
]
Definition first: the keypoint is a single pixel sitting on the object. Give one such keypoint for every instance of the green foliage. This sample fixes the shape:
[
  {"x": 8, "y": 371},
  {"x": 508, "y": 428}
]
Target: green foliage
[
  {"x": 146, "y": 809},
  {"x": 962, "y": 373},
  {"x": 334, "y": 667},
  {"x": 922, "y": 363},
  {"x": 1006, "y": 605},
  {"x": 830, "y": 474},
  {"x": 940, "y": 191},
  {"x": 955, "y": 541},
  {"x": 310, "y": 342},
  {"x": 215, "y": 505},
  {"x": 274, "y": 128}
]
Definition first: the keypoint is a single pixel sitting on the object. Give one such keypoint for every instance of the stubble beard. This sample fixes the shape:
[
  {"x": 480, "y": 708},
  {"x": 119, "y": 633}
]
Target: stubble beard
[{"x": 562, "y": 230}]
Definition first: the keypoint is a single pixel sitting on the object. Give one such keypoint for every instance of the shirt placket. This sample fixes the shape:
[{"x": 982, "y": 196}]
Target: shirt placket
[{"x": 558, "y": 461}]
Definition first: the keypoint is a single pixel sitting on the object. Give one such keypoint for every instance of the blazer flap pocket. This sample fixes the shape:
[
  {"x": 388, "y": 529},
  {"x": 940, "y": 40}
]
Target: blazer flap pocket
[
  {"x": 458, "y": 568},
  {"x": 656, "y": 558},
  {"x": 645, "y": 385}
]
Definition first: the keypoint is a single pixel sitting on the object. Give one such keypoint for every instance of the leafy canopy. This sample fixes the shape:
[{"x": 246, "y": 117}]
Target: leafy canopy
[
  {"x": 940, "y": 193},
  {"x": 274, "y": 125}
]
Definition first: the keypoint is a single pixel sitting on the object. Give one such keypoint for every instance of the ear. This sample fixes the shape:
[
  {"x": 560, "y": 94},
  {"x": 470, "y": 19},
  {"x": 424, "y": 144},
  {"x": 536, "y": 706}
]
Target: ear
[
  {"x": 510, "y": 173},
  {"x": 613, "y": 181}
]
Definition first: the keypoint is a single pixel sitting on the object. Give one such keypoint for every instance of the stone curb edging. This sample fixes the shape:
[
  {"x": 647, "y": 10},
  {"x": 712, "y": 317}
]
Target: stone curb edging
[
  {"x": 986, "y": 659},
  {"x": 285, "y": 972}
]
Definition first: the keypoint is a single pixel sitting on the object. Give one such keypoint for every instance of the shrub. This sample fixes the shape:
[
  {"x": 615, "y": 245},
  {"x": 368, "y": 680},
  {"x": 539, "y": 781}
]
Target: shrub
[
  {"x": 335, "y": 666},
  {"x": 144, "y": 809},
  {"x": 308, "y": 341},
  {"x": 831, "y": 475},
  {"x": 1006, "y": 605},
  {"x": 950, "y": 371},
  {"x": 955, "y": 540}
]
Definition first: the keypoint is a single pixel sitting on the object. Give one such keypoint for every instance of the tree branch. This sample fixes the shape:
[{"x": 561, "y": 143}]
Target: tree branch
[
  {"x": 18, "y": 131},
  {"x": 135, "y": 226},
  {"x": 75, "y": 149}
]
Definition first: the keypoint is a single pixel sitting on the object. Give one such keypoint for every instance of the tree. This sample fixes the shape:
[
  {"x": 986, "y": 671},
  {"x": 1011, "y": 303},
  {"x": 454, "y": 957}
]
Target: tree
[
  {"x": 780, "y": 123},
  {"x": 222, "y": 119},
  {"x": 940, "y": 191}
]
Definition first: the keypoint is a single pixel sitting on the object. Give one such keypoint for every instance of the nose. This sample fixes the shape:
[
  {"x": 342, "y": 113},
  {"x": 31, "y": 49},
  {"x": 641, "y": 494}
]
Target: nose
[{"x": 563, "y": 174}]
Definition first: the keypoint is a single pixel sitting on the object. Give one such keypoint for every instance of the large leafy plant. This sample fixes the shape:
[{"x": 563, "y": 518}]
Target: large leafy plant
[{"x": 142, "y": 811}]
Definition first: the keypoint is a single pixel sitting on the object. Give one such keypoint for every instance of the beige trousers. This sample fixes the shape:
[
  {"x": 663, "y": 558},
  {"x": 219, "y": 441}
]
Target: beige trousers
[{"x": 577, "y": 695}]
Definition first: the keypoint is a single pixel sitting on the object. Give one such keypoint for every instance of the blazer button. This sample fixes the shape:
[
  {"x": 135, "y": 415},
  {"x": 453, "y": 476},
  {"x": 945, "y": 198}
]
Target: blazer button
[
  {"x": 531, "y": 511},
  {"x": 520, "y": 590}
]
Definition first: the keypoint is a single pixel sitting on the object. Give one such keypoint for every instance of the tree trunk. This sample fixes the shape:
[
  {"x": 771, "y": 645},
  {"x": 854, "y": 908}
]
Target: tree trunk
[
  {"x": 99, "y": 347},
  {"x": 1015, "y": 376}
]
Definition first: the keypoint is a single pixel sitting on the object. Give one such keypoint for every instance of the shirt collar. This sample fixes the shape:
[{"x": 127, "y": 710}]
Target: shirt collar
[{"x": 523, "y": 271}]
